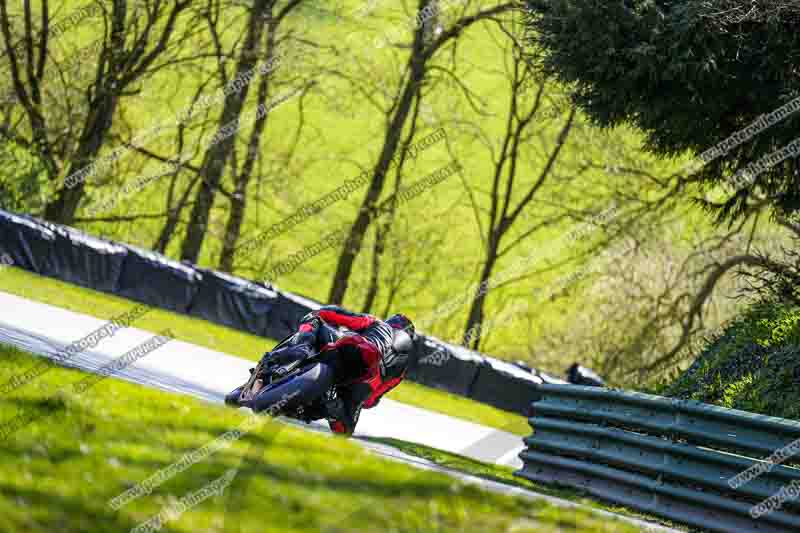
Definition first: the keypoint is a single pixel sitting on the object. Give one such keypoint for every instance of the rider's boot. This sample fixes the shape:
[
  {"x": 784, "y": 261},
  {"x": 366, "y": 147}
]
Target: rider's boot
[{"x": 343, "y": 412}]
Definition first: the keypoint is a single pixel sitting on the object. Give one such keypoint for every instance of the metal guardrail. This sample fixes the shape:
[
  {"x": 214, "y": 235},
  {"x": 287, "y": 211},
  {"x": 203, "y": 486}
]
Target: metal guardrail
[{"x": 670, "y": 458}]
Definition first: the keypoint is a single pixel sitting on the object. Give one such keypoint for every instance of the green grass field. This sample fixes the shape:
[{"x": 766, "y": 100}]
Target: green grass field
[
  {"x": 240, "y": 344},
  {"x": 59, "y": 472}
]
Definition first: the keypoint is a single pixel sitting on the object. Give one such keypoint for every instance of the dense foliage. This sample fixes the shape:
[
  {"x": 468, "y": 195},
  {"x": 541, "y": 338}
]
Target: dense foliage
[
  {"x": 753, "y": 365},
  {"x": 687, "y": 73}
]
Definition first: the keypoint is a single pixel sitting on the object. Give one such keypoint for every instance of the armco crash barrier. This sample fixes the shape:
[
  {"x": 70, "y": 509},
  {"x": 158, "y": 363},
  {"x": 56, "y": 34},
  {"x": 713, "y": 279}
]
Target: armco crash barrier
[
  {"x": 467, "y": 373},
  {"x": 670, "y": 458},
  {"x": 506, "y": 386},
  {"x": 69, "y": 255}
]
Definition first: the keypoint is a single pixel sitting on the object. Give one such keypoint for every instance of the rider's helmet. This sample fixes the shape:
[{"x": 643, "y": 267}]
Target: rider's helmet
[
  {"x": 405, "y": 335},
  {"x": 395, "y": 364},
  {"x": 400, "y": 321}
]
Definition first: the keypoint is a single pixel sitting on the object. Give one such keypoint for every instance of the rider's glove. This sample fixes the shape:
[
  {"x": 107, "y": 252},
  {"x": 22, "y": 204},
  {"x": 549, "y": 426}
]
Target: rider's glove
[{"x": 310, "y": 317}]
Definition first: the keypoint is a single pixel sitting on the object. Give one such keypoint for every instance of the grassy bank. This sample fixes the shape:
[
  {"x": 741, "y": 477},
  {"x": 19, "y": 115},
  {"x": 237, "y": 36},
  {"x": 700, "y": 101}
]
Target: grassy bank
[{"x": 753, "y": 365}]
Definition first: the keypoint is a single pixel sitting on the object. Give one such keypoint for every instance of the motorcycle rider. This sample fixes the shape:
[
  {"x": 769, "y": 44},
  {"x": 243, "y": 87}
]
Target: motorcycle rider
[{"x": 366, "y": 364}]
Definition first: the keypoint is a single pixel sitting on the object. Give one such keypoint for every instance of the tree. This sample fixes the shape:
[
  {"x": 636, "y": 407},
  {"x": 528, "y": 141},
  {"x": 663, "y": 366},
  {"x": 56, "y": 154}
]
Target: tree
[
  {"x": 646, "y": 312},
  {"x": 510, "y": 195},
  {"x": 688, "y": 78},
  {"x": 265, "y": 92},
  {"x": 132, "y": 43},
  {"x": 384, "y": 224},
  {"x": 257, "y": 59},
  {"x": 215, "y": 158},
  {"x": 397, "y": 116}
]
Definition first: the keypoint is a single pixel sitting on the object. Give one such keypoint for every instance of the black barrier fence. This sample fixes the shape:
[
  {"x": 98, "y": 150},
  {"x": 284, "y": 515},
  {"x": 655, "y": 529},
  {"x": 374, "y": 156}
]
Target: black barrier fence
[
  {"x": 85, "y": 260},
  {"x": 444, "y": 367},
  {"x": 153, "y": 279},
  {"x": 264, "y": 310}
]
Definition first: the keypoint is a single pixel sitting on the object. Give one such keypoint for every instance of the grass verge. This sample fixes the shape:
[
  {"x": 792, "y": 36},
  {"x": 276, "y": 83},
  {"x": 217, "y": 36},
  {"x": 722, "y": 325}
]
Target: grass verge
[{"x": 59, "y": 472}]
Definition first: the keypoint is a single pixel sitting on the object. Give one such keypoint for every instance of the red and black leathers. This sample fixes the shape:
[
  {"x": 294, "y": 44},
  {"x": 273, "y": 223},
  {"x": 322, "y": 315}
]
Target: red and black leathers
[
  {"x": 367, "y": 357},
  {"x": 365, "y": 363}
]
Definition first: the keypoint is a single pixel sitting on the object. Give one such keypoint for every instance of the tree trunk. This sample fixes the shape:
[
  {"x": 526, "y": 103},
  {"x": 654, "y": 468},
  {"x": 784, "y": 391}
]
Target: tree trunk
[
  {"x": 119, "y": 67},
  {"x": 214, "y": 161},
  {"x": 383, "y": 228},
  {"x": 374, "y": 276},
  {"x": 420, "y": 53},
  {"x": 168, "y": 231},
  {"x": 233, "y": 228},
  {"x": 355, "y": 238},
  {"x": 472, "y": 331},
  {"x": 173, "y": 218},
  {"x": 62, "y": 210}
]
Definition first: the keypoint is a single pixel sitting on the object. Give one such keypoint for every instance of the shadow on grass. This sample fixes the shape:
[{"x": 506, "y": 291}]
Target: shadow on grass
[
  {"x": 363, "y": 500},
  {"x": 59, "y": 513},
  {"x": 49, "y": 404}
]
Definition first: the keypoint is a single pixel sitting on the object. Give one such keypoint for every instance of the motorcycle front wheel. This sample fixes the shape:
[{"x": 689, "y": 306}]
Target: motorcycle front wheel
[{"x": 301, "y": 388}]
